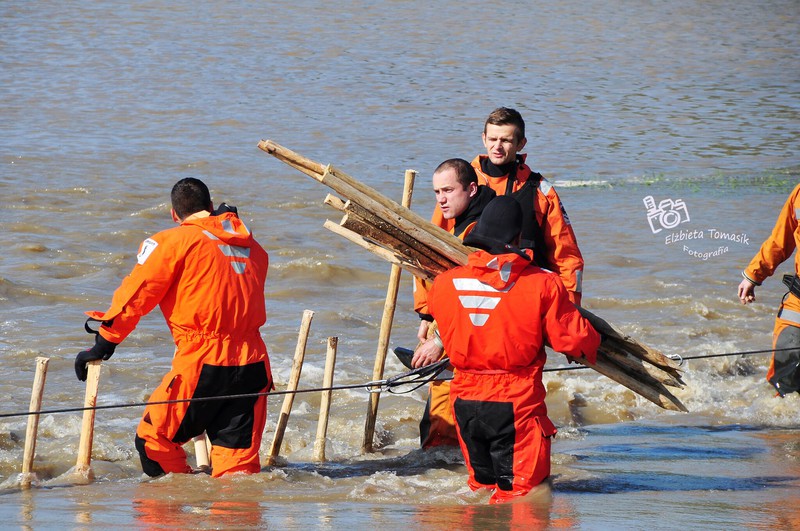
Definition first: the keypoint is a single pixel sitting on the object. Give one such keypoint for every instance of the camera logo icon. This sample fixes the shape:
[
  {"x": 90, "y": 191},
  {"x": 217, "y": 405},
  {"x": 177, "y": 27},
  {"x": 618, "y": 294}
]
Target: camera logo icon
[{"x": 667, "y": 215}]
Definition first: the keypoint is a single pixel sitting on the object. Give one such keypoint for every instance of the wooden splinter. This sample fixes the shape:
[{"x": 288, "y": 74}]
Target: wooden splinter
[{"x": 294, "y": 379}]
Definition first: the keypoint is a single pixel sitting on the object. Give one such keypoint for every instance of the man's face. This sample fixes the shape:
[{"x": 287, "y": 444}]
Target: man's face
[
  {"x": 500, "y": 143},
  {"x": 451, "y": 197}
]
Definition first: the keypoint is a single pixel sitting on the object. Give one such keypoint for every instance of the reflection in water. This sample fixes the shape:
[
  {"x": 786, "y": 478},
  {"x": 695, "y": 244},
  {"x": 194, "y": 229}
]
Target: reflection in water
[{"x": 225, "y": 509}]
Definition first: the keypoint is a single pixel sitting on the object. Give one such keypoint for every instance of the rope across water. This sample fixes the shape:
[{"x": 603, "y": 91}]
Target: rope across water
[{"x": 419, "y": 377}]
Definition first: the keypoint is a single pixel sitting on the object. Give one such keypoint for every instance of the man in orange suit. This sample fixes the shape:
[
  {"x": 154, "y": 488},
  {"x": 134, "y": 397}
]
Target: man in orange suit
[
  {"x": 784, "y": 369},
  {"x": 495, "y": 315},
  {"x": 208, "y": 276},
  {"x": 459, "y": 202}
]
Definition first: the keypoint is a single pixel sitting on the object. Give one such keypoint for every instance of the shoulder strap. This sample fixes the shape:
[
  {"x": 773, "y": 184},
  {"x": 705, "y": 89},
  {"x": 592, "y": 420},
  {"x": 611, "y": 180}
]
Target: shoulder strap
[{"x": 531, "y": 236}]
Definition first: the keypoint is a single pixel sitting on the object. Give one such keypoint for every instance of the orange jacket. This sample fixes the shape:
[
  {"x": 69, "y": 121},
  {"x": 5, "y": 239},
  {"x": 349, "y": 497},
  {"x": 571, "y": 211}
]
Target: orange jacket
[
  {"x": 781, "y": 243},
  {"x": 563, "y": 255},
  {"x": 778, "y": 247},
  {"x": 208, "y": 276},
  {"x": 497, "y": 312}
]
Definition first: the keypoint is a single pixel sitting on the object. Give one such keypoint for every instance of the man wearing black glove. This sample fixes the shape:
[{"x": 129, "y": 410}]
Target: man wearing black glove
[{"x": 208, "y": 276}]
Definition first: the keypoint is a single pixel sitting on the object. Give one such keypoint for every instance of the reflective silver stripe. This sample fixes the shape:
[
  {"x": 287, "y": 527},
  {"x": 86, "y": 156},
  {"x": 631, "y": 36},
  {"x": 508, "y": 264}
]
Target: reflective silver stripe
[
  {"x": 227, "y": 226},
  {"x": 479, "y": 319},
  {"x": 545, "y": 186},
  {"x": 789, "y": 315},
  {"x": 211, "y": 236},
  {"x": 239, "y": 267},
  {"x": 578, "y": 281},
  {"x": 473, "y": 284},
  {"x": 477, "y": 302},
  {"x": 235, "y": 251}
]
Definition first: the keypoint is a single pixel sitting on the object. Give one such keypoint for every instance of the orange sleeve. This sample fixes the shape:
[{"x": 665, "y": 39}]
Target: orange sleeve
[
  {"x": 140, "y": 291},
  {"x": 563, "y": 253},
  {"x": 780, "y": 245},
  {"x": 566, "y": 329}
]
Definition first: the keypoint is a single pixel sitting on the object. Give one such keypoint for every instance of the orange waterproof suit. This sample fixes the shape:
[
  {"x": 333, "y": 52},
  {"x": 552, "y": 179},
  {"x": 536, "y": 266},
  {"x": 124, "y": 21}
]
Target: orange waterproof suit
[
  {"x": 495, "y": 315},
  {"x": 546, "y": 227},
  {"x": 208, "y": 276},
  {"x": 438, "y": 426},
  {"x": 784, "y": 370}
]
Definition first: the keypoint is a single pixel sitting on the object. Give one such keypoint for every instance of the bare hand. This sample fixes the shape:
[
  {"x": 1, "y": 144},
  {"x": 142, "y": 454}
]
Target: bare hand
[
  {"x": 427, "y": 353},
  {"x": 422, "y": 333},
  {"x": 747, "y": 291}
]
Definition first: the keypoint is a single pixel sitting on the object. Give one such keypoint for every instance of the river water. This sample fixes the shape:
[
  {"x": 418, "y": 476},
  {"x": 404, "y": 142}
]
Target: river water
[{"x": 106, "y": 105}]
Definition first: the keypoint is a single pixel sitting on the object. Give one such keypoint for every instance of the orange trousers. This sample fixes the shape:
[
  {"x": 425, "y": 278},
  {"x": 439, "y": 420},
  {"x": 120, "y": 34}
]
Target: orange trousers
[
  {"x": 234, "y": 426},
  {"x": 504, "y": 432},
  {"x": 438, "y": 426}
]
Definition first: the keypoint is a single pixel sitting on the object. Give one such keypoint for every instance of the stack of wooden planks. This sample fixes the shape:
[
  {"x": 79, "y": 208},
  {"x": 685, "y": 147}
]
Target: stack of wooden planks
[{"x": 400, "y": 236}]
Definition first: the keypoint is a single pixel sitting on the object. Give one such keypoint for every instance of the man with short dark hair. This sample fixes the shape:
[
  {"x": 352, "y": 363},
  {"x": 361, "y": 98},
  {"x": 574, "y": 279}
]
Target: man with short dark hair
[
  {"x": 495, "y": 314},
  {"x": 546, "y": 228},
  {"x": 208, "y": 276},
  {"x": 459, "y": 202}
]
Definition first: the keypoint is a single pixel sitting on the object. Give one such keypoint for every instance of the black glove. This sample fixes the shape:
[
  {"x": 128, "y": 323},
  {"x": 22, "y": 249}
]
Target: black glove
[{"x": 102, "y": 350}]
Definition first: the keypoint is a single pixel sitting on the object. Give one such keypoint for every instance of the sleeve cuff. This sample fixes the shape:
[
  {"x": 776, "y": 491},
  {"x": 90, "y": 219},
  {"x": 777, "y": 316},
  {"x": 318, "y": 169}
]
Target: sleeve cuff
[{"x": 750, "y": 280}]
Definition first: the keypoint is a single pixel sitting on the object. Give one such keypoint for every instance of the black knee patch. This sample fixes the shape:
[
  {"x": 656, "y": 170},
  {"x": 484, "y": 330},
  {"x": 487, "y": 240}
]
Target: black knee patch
[
  {"x": 149, "y": 467},
  {"x": 488, "y": 431},
  {"x": 228, "y": 423},
  {"x": 786, "y": 378}
]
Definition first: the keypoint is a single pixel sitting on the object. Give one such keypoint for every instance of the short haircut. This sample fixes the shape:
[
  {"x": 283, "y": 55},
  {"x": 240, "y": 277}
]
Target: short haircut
[
  {"x": 465, "y": 173},
  {"x": 189, "y": 196},
  {"x": 507, "y": 116}
]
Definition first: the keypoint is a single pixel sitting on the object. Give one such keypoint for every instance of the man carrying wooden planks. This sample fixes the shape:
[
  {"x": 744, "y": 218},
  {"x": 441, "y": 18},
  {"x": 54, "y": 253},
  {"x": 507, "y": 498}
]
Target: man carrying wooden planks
[
  {"x": 208, "y": 276},
  {"x": 494, "y": 315},
  {"x": 459, "y": 202}
]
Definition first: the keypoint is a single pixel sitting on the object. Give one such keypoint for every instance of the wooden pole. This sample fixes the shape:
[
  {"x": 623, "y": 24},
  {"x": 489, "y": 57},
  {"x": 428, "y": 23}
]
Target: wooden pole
[
  {"x": 82, "y": 466},
  {"x": 386, "y": 328},
  {"x": 33, "y": 421},
  {"x": 325, "y": 403},
  {"x": 202, "y": 449},
  {"x": 294, "y": 379}
]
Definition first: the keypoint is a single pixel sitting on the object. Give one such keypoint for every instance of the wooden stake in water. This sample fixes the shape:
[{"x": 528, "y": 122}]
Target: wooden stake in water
[
  {"x": 33, "y": 421},
  {"x": 325, "y": 403},
  {"x": 83, "y": 465},
  {"x": 294, "y": 379},
  {"x": 202, "y": 452},
  {"x": 386, "y": 328}
]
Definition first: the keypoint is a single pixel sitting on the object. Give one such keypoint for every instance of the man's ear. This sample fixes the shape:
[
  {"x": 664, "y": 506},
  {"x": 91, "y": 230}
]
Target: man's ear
[
  {"x": 175, "y": 217},
  {"x": 473, "y": 189},
  {"x": 522, "y": 144}
]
